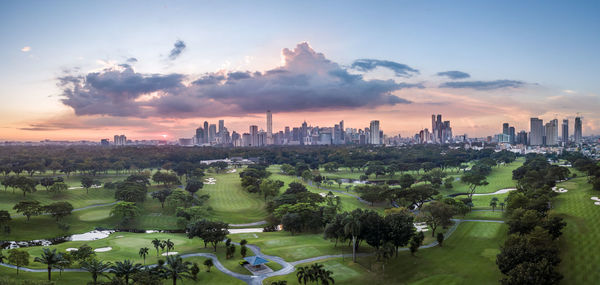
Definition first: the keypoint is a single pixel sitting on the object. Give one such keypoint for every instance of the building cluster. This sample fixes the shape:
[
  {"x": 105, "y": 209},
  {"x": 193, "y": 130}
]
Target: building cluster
[
  {"x": 301, "y": 135},
  {"x": 440, "y": 133},
  {"x": 540, "y": 134}
]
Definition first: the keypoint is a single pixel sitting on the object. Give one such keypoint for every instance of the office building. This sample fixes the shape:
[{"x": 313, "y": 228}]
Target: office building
[
  {"x": 551, "y": 130},
  {"x": 565, "y": 132},
  {"x": 269, "y": 128},
  {"x": 536, "y": 132},
  {"x": 374, "y": 132},
  {"x": 578, "y": 131}
]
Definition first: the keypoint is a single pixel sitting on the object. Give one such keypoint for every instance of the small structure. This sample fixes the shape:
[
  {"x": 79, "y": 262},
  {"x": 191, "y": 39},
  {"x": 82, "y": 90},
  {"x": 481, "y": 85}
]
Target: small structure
[{"x": 256, "y": 265}]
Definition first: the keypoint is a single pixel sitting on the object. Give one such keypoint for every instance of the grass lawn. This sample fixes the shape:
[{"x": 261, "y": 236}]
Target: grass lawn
[
  {"x": 230, "y": 202},
  {"x": 580, "y": 253},
  {"x": 77, "y": 197},
  {"x": 468, "y": 257},
  {"x": 499, "y": 178}
]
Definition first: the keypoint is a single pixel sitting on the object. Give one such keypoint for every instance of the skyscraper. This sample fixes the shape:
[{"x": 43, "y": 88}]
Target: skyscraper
[
  {"x": 221, "y": 125},
  {"x": 505, "y": 129},
  {"x": 269, "y": 127},
  {"x": 578, "y": 134},
  {"x": 552, "y": 132},
  {"x": 536, "y": 132},
  {"x": 253, "y": 135},
  {"x": 343, "y": 132},
  {"x": 374, "y": 132},
  {"x": 206, "y": 132},
  {"x": 512, "y": 136},
  {"x": 212, "y": 133},
  {"x": 199, "y": 136},
  {"x": 565, "y": 131}
]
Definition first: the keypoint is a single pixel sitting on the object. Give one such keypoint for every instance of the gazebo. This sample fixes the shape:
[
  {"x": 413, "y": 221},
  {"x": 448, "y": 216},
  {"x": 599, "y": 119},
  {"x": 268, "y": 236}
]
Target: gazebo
[{"x": 255, "y": 261}]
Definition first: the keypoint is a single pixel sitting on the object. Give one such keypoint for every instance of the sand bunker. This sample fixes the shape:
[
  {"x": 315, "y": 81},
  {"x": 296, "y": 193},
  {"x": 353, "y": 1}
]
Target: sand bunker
[
  {"x": 595, "y": 198},
  {"x": 560, "y": 190},
  {"x": 103, "y": 249},
  {"x": 501, "y": 191},
  {"x": 89, "y": 236},
  {"x": 72, "y": 249},
  {"x": 248, "y": 230},
  {"x": 232, "y": 171},
  {"x": 597, "y": 203},
  {"x": 170, "y": 253},
  {"x": 210, "y": 180},
  {"x": 421, "y": 227}
]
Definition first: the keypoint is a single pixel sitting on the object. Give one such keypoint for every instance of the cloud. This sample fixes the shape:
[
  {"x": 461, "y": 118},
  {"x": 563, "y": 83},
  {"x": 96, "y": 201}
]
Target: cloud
[
  {"x": 178, "y": 48},
  {"x": 26, "y": 49},
  {"x": 454, "y": 74},
  {"x": 132, "y": 60},
  {"x": 484, "y": 85},
  {"x": 306, "y": 81},
  {"x": 401, "y": 70}
]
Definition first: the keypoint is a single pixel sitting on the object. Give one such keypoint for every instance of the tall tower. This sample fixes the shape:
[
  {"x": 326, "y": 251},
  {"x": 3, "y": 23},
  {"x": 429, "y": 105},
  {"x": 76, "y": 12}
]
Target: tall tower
[
  {"x": 269, "y": 127},
  {"x": 221, "y": 125},
  {"x": 253, "y": 135},
  {"x": 505, "y": 129},
  {"x": 565, "y": 131},
  {"x": 536, "y": 133},
  {"x": 578, "y": 134},
  {"x": 206, "y": 132},
  {"x": 374, "y": 132}
]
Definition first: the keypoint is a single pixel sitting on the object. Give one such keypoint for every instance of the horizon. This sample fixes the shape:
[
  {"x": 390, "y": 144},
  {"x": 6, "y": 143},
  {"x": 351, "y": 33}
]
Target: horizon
[{"x": 174, "y": 65}]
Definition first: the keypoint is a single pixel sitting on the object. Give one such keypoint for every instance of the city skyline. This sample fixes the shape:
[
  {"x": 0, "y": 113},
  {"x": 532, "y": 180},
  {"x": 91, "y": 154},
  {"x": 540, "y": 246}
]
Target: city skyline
[{"x": 163, "y": 74}]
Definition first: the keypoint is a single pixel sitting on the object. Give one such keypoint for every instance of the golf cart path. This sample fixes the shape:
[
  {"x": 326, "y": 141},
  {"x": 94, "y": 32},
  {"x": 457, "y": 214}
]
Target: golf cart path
[{"x": 287, "y": 267}]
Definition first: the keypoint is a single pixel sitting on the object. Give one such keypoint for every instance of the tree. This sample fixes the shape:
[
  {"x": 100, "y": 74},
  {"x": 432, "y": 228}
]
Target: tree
[
  {"x": 51, "y": 259},
  {"x": 437, "y": 214},
  {"x": 406, "y": 181},
  {"x": 125, "y": 269},
  {"x": 532, "y": 273},
  {"x": 58, "y": 187},
  {"x": 131, "y": 191},
  {"x": 304, "y": 275},
  {"x": 400, "y": 229},
  {"x": 212, "y": 232},
  {"x": 59, "y": 210},
  {"x": 208, "y": 263},
  {"x": 440, "y": 238},
  {"x": 162, "y": 195},
  {"x": 4, "y": 218},
  {"x": 176, "y": 268},
  {"x": 87, "y": 182},
  {"x": 96, "y": 268},
  {"x": 194, "y": 270},
  {"x": 26, "y": 185},
  {"x": 494, "y": 203},
  {"x": 473, "y": 179},
  {"x": 193, "y": 186},
  {"x": 47, "y": 182},
  {"x": 143, "y": 253},
  {"x": 28, "y": 208},
  {"x": 170, "y": 245},
  {"x": 415, "y": 242},
  {"x": 18, "y": 258},
  {"x": 83, "y": 253},
  {"x": 352, "y": 227},
  {"x": 156, "y": 243},
  {"x": 270, "y": 188},
  {"x": 127, "y": 211}
]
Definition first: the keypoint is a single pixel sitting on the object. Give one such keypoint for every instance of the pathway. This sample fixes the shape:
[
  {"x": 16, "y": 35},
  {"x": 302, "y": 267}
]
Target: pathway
[{"x": 287, "y": 267}]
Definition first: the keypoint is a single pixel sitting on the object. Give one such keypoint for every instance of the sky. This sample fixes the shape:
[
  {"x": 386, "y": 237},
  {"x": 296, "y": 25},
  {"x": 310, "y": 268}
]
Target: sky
[{"x": 91, "y": 69}]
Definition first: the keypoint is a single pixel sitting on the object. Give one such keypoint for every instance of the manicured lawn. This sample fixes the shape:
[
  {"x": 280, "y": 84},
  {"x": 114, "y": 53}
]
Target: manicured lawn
[
  {"x": 499, "y": 178},
  {"x": 468, "y": 257},
  {"x": 77, "y": 197},
  {"x": 580, "y": 253},
  {"x": 230, "y": 202}
]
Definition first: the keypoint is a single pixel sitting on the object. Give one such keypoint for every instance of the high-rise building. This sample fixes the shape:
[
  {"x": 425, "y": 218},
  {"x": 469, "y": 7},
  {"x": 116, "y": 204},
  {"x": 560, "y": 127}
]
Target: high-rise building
[
  {"x": 206, "y": 132},
  {"x": 552, "y": 132},
  {"x": 253, "y": 135},
  {"x": 120, "y": 140},
  {"x": 536, "y": 132},
  {"x": 269, "y": 127},
  {"x": 512, "y": 135},
  {"x": 221, "y": 125},
  {"x": 578, "y": 134},
  {"x": 505, "y": 129},
  {"x": 374, "y": 132},
  {"x": 565, "y": 131},
  {"x": 199, "y": 136},
  {"x": 522, "y": 137},
  {"x": 212, "y": 133},
  {"x": 342, "y": 133}
]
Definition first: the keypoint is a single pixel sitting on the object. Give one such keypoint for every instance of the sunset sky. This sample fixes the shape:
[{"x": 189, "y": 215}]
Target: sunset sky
[{"x": 92, "y": 69}]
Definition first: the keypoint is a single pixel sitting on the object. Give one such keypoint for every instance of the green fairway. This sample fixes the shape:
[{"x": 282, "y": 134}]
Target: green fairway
[
  {"x": 230, "y": 202},
  {"x": 499, "y": 178},
  {"x": 580, "y": 253},
  {"x": 77, "y": 197},
  {"x": 468, "y": 257}
]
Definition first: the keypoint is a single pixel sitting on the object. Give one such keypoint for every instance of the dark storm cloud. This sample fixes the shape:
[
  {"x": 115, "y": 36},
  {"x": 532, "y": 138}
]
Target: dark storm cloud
[
  {"x": 401, "y": 70},
  {"x": 454, "y": 74},
  {"x": 484, "y": 85},
  {"x": 178, "y": 48},
  {"x": 306, "y": 81}
]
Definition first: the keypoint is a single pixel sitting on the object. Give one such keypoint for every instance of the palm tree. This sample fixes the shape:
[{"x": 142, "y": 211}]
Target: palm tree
[
  {"x": 502, "y": 206},
  {"x": 280, "y": 282},
  {"x": 2, "y": 256},
  {"x": 125, "y": 269},
  {"x": 304, "y": 275},
  {"x": 50, "y": 258},
  {"x": 176, "y": 268},
  {"x": 162, "y": 245},
  {"x": 208, "y": 263},
  {"x": 170, "y": 245},
  {"x": 494, "y": 203},
  {"x": 96, "y": 268},
  {"x": 325, "y": 277},
  {"x": 352, "y": 227},
  {"x": 156, "y": 243},
  {"x": 143, "y": 252}
]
